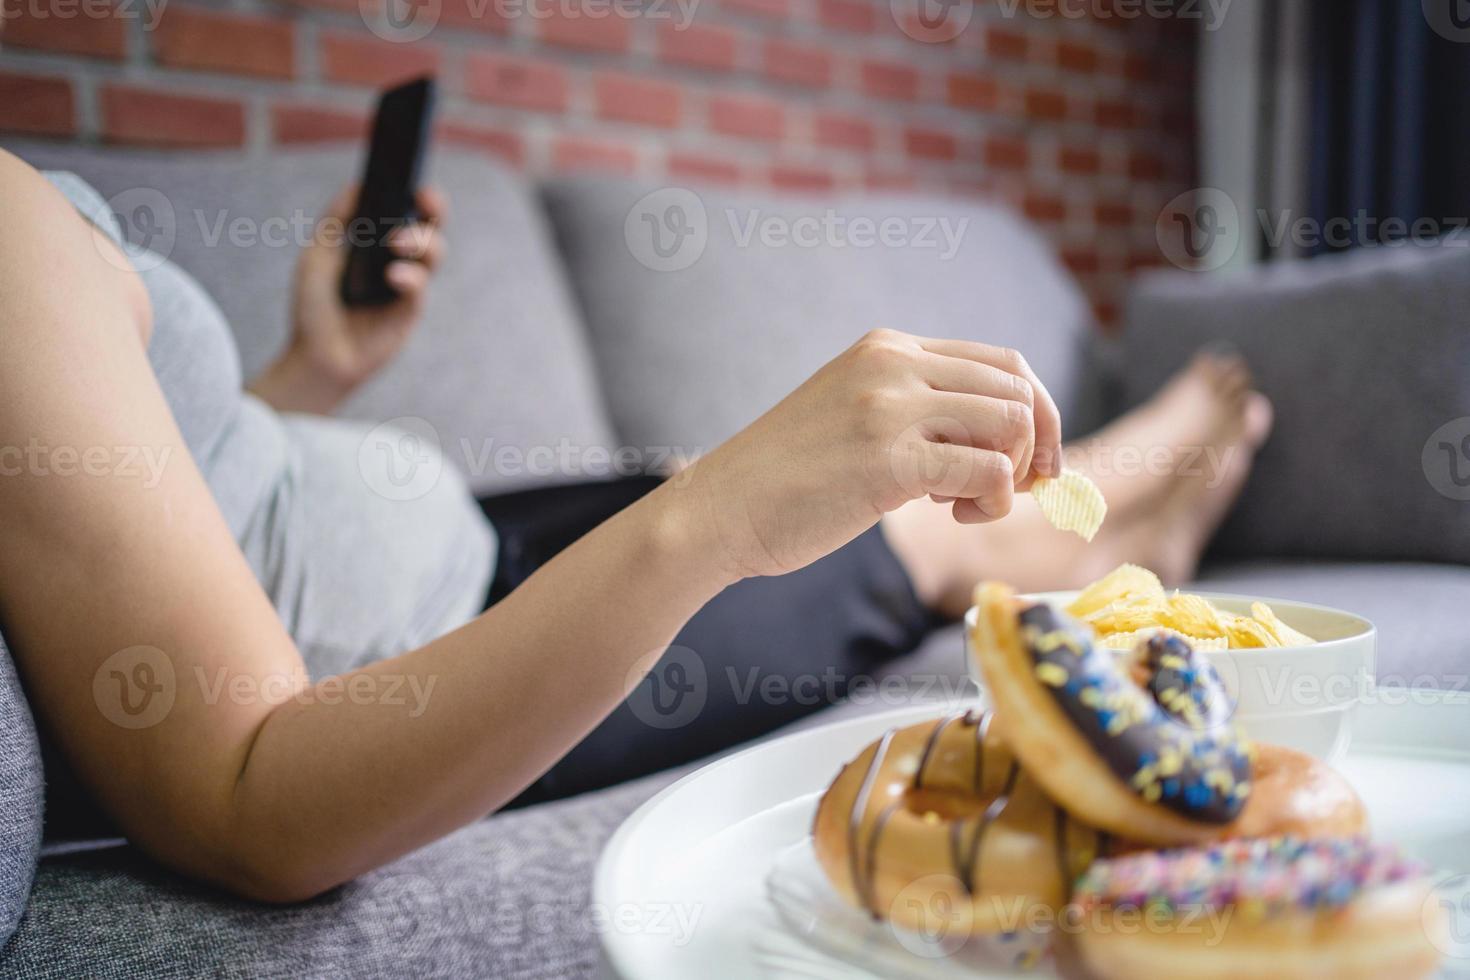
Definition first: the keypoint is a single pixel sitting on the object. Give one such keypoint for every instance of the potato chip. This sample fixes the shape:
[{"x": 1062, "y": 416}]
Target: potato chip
[
  {"x": 1130, "y": 641},
  {"x": 1071, "y": 502},
  {"x": 1123, "y": 581},
  {"x": 1193, "y": 615},
  {"x": 1285, "y": 635},
  {"x": 1129, "y": 603}
]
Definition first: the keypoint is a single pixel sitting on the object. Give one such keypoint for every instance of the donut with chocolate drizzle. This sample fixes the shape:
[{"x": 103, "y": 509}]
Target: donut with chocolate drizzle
[
  {"x": 940, "y": 819},
  {"x": 1140, "y": 744}
]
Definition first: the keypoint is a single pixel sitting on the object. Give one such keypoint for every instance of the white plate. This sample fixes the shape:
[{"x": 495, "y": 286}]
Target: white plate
[{"x": 680, "y": 889}]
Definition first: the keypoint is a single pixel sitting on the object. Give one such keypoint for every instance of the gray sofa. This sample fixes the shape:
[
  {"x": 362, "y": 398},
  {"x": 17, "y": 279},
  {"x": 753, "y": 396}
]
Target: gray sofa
[{"x": 554, "y": 325}]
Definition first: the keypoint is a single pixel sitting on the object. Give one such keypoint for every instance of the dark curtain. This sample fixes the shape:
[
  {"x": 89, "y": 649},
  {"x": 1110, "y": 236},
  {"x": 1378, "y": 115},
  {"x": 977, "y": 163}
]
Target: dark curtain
[{"x": 1390, "y": 114}]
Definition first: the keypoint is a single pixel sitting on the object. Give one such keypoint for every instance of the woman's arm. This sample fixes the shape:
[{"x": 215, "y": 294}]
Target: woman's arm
[{"x": 278, "y": 790}]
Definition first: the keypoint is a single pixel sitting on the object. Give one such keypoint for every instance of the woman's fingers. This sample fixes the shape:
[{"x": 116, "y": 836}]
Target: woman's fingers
[
  {"x": 419, "y": 242},
  {"x": 408, "y": 279},
  {"x": 1047, "y": 457},
  {"x": 983, "y": 422},
  {"x": 982, "y": 477},
  {"x": 433, "y": 205}
]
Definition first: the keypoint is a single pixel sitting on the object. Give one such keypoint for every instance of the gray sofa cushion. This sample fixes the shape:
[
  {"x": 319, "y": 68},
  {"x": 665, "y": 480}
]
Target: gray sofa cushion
[
  {"x": 696, "y": 342},
  {"x": 21, "y": 795},
  {"x": 1419, "y": 609},
  {"x": 501, "y": 358},
  {"x": 506, "y": 897},
  {"x": 1365, "y": 356}
]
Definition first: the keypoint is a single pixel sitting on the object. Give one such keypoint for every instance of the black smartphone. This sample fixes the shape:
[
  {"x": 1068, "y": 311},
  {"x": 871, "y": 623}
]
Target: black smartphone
[{"x": 390, "y": 182}]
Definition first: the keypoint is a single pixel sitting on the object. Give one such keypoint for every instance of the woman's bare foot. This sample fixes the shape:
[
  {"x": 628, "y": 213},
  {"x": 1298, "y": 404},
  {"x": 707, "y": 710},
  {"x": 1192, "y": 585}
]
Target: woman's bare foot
[{"x": 1170, "y": 470}]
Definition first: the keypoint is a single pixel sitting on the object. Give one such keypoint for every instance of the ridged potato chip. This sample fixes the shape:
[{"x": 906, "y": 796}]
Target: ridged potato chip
[
  {"x": 1071, "y": 502},
  {"x": 1125, "y": 580},
  {"x": 1129, "y": 603}
]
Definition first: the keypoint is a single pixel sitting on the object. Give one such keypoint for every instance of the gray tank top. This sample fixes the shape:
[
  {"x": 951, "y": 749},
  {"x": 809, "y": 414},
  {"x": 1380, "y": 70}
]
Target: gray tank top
[{"x": 354, "y": 575}]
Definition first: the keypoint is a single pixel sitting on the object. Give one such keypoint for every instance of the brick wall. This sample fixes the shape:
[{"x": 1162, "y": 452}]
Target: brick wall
[{"x": 1083, "y": 122}]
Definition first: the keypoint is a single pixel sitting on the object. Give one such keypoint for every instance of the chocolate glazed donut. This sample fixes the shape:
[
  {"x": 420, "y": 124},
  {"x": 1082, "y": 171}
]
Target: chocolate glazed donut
[
  {"x": 939, "y": 818},
  {"x": 1141, "y": 747}
]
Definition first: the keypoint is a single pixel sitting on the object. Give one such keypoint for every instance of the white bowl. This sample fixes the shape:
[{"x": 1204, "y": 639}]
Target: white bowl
[{"x": 1302, "y": 697}]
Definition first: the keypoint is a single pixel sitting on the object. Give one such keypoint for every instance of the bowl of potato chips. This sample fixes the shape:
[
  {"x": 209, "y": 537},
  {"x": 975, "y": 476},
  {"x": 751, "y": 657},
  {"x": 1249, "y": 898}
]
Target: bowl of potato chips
[{"x": 1297, "y": 671}]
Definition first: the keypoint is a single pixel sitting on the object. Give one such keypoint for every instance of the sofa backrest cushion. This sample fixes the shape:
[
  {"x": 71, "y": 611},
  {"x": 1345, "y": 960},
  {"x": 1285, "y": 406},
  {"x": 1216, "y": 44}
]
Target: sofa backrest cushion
[
  {"x": 1367, "y": 359},
  {"x": 21, "y": 797},
  {"x": 706, "y": 306},
  {"x": 501, "y": 358}
]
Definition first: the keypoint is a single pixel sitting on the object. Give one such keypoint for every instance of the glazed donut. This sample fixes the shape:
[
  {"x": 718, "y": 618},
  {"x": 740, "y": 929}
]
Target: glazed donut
[
  {"x": 940, "y": 815},
  {"x": 1142, "y": 748},
  {"x": 1294, "y": 795},
  {"x": 1281, "y": 908}
]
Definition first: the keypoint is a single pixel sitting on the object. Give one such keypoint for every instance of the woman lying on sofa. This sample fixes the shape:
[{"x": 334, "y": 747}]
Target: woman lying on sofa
[{"x": 147, "y": 611}]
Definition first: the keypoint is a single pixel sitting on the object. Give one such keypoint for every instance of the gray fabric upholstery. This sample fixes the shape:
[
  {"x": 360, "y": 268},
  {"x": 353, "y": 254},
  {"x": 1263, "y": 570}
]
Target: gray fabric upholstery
[
  {"x": 507, "y": 897},
  {"x": 1365, "y": 356},
  {"x": 501, "y": 359},
  {"x": 689, "y": 356},
  {"x": 1419, "y": 609},
  {"x": 21, "y": 795}
]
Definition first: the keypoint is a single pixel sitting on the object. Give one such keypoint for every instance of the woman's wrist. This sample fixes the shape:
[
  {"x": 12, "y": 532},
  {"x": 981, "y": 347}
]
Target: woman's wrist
[
  {"x": 293, "y": 384},
  {"x": 682, "y": 537}
]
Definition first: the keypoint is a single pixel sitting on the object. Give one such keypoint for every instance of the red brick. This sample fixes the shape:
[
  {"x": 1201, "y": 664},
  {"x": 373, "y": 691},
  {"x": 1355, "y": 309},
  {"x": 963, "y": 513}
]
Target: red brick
[
  {"x": 844, "y": 132},
  {"x": 1139, "y": 261},
  {"x": 792, "y": 177},
  {"x": 60, "y": 26},
  {"x": 1044, "y": 207},
  {"x": 1046, "y": 104},
  {"x": 573, "y": 28},
  {"x": 1113, "y": 213},
  {"x": 582, "y": 153},
  {"x": 1082, "y": 261},
  {"x": 480, "y": 15},
  {"x": 152, "y": 118},
  {"x": 753, "y": 118},
  {"x": 698, "y": 45},
  {"x": 694, "y": 166},
  {"x": 187, "y": 37},
  {"x": 1145, "y": 166},
  {"x": 627, "y": 98},
  {"x": 857, "y": 16},
  {"x": 316, "y": 124},
  {"x": 1077, "y": 56},
  {"x": 798, "y": 64},
  {"x": 973, "y": 91},
  {"x": 358, "y": 60},
  {"x": 1084, "y": 160},
  {"x": 1138, "y": 68},
  {"x": 519, "y": 82},
  {"x": 775, "y": 9},
  {"x": 506, "y": 145},
  {"x": 1006, "y": 153},
  {"x": 37, "y": 106},
  {"x": 890, "y": 80},
  {"x": 1006, "y": 45},
  {"x": 1114, "y": 114},
  {"x": 888, "y": 181},
  {"x": 930, "y": 144},
  {"x": 1106, "y": 313}
]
